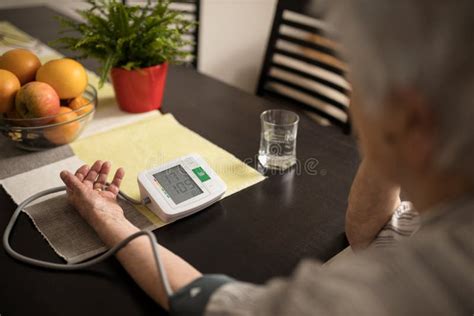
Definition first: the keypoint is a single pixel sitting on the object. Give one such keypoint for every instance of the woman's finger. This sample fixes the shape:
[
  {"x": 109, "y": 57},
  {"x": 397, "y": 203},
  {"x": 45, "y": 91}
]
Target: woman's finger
[
  {"x": 93, "y": 173},
  {"x": 71, "y": 181},
  {"x": 82, "y": 172},
  {"x": 103, "y": 174},
  {"x": 114, "y": 187}
]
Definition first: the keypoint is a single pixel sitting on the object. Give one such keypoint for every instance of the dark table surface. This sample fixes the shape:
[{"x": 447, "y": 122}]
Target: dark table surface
[{"x": 256, "y": 234}]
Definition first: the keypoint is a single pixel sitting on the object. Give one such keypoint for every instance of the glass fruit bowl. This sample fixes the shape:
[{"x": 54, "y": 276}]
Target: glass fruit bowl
[{"x": 36, "y": 134}]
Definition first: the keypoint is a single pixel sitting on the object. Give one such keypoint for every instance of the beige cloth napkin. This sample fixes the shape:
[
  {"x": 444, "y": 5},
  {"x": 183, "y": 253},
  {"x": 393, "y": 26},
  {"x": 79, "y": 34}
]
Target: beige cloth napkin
[{"x": 68, "y": 234}]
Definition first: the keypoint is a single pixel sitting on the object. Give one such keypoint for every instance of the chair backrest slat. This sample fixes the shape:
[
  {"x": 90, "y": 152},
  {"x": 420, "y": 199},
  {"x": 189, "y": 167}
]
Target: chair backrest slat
[
  {"x": 340, "y": 104},
  {"x": 309, "y": 60},
  {"x": 303, "y": 27},
  {"x": 312, "y": 70},
  {"x": 307, "y": 44},
  {"x": 315, "y": 106},
  {"x": 310, "y": 77}
]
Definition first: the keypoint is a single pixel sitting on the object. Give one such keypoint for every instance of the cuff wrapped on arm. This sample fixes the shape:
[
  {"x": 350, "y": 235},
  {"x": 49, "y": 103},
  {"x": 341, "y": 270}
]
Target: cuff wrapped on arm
[{"x": 193, "y": 298}]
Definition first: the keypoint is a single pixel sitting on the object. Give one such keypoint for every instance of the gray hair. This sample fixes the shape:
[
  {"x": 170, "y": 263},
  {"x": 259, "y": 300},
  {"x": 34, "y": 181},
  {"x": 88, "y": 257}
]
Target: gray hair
[{"x": 426, "y": 45}]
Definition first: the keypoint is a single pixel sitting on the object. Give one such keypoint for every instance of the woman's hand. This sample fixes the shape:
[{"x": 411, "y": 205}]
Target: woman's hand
[{"x": 92, "y": 198}]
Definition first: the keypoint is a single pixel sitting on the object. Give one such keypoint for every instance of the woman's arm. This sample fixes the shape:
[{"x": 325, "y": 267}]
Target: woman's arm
[
  {"x": 137, "y": 258},
  {"x": 97, "y": 204},
  {"x": 372, "y": 201}
]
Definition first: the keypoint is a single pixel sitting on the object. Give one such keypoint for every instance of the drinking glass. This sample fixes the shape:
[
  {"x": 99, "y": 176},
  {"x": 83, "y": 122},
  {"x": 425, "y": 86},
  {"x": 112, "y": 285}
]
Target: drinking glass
[{"x": 278, "y": 139}]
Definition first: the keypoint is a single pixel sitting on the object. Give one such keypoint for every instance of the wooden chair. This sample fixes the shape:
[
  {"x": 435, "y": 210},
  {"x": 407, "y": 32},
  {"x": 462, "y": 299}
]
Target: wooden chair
[
  {"x": 302, "y": 67},
  {"x": 191, "y": 9}
]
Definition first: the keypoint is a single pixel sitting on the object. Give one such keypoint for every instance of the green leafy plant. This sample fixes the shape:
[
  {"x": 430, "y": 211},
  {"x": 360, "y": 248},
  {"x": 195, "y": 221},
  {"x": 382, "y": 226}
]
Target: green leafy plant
[{"x": 127, "y": 36}]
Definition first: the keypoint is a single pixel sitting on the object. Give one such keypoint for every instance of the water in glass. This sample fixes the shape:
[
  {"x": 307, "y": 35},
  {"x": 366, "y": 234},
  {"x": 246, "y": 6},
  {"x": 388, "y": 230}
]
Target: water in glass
[{"x": 278, "y": 139}]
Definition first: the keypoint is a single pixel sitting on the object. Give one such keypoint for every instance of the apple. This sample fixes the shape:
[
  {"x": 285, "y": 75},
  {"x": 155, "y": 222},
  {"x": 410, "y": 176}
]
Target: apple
[{"x": 37, "y": 100}]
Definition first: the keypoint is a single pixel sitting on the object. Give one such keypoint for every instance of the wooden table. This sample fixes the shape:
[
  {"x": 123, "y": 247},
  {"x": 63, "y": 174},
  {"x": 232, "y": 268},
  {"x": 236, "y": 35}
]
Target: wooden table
[{"x": 256, "y": 234}]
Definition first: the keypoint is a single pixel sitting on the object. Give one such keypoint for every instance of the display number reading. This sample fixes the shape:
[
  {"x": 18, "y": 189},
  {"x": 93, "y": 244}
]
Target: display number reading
[{"x": 178, "y": 184}]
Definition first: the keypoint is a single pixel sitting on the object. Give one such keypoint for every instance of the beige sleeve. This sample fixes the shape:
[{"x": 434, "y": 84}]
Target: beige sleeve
[
  {"x": 299, "y": 295},
  {"x": 389, "y": 283}
]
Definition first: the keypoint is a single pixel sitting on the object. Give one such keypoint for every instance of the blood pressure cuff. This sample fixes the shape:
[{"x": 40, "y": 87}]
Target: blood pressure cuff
[{"x": 193, "y": 298}]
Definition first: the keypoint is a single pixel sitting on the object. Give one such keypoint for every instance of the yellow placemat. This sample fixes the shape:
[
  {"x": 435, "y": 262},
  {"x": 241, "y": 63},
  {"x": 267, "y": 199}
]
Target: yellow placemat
[{"x": 154, "y": 141}]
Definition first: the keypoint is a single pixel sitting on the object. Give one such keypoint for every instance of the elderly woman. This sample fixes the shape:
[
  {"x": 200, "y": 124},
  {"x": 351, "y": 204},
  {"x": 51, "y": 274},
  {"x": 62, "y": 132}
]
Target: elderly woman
[{"x": 412, "y": 73}]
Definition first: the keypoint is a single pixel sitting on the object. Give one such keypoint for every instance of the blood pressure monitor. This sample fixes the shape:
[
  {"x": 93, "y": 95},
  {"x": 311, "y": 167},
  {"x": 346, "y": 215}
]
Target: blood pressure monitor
[{"x": 180, "y": 188}]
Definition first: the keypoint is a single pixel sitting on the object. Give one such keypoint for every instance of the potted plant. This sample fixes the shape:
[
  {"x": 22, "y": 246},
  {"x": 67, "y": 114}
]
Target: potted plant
[{"x": 134, "y": 45}]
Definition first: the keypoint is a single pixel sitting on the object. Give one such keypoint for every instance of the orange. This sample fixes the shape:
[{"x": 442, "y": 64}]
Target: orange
[
  {"x": 81, "y": 104},
  {"x": 9, "y": 86},
  {"x": 22, "y": 63},
  {"x": 66, "y": 132},
  {"x": 66, "y": 76}
]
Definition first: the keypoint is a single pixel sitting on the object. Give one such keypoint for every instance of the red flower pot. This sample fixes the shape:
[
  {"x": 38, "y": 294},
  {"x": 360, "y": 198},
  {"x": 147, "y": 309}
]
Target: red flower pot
[{"x": 139, "y": 90}]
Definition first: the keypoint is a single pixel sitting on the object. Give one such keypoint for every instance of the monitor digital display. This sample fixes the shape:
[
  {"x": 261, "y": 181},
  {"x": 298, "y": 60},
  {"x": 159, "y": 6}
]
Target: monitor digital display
[{"x": 178, "y": 184}]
